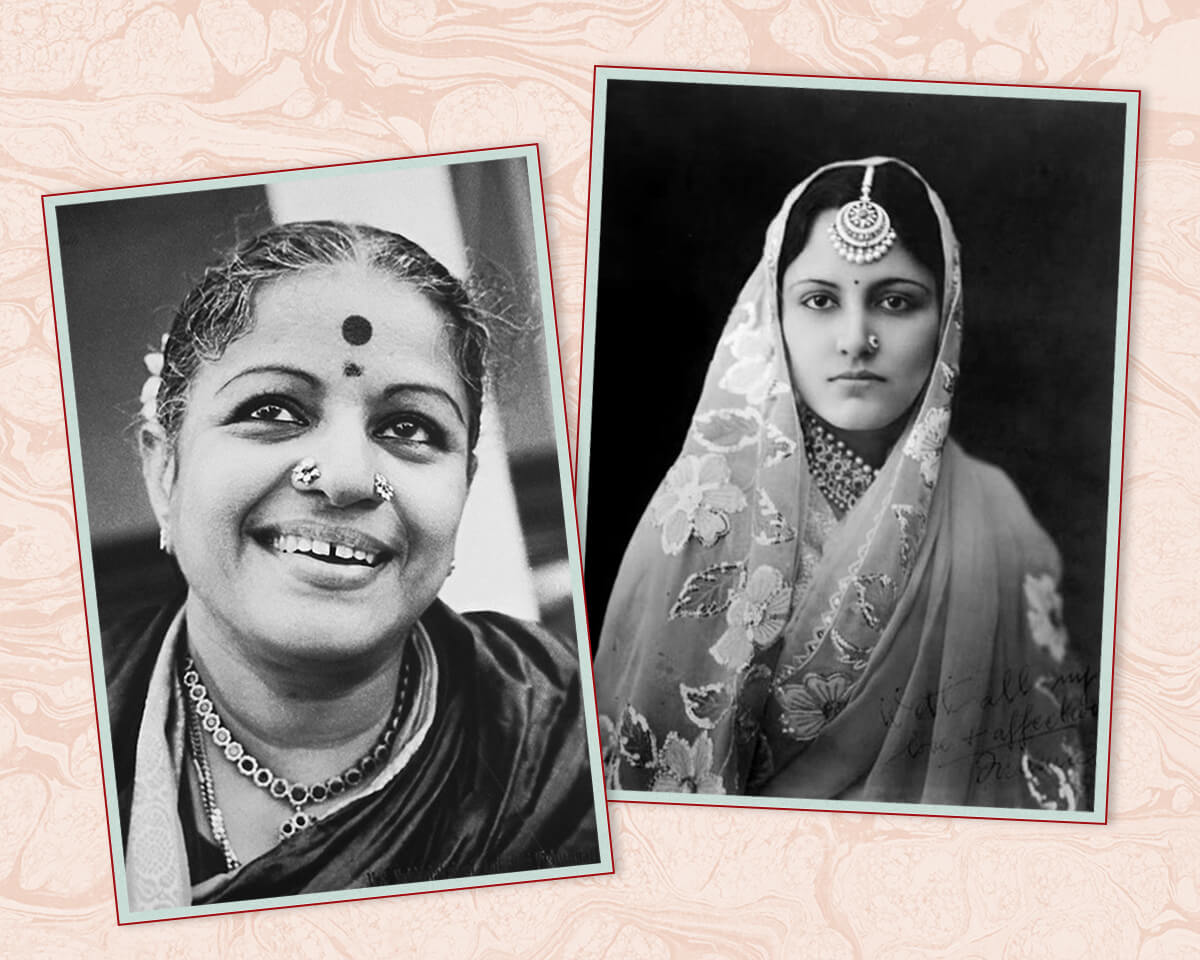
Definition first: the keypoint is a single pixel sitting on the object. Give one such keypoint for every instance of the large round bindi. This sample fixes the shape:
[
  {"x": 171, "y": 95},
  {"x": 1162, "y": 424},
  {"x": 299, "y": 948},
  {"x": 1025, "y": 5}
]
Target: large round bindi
[{"x": 356, "y": 330}]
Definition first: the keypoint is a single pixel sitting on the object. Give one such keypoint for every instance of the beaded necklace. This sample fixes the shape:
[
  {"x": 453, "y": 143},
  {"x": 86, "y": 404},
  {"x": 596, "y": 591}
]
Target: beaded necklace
[
  {"x": 840, "y": 474},
  {"x": 202, "y": 717}
]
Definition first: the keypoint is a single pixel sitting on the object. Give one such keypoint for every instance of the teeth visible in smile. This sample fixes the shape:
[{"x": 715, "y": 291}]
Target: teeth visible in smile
[{"x": 287, "y": 543}]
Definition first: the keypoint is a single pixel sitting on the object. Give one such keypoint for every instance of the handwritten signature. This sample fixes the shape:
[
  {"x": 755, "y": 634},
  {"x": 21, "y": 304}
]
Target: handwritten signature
[{"x": 998, "y": 722}]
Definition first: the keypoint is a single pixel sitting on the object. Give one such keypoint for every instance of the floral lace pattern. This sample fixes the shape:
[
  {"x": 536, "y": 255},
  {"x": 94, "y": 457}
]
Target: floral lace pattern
[
  {"x": 1053, "y": 786},
  {"x": 949, "y": 376},
  {"x": 706, "y": 705},
  {"x": 709, "y": 592},
  {"x": 695, "y": 500},
  {"x": 752, "y": 375},
  {"x": 911, "y": 522},
  {"x": 1044, "y": 613},
  {"x": 687, "y": 767},
  {"x": 676, "y": 766},
  {"x": 819, "y": 523},
  {"x": 925, "y": 441},
  {"x": 810, "y": 701},
  {"x": 775, "y": 527},
  {"x": 755, "y": 617},
  {"x": 727, "y": 430}
]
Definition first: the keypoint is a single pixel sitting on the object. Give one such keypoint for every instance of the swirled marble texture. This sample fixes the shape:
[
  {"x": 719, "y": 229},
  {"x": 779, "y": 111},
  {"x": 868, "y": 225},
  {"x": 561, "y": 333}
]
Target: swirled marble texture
[{"x": 105, "y": 92}]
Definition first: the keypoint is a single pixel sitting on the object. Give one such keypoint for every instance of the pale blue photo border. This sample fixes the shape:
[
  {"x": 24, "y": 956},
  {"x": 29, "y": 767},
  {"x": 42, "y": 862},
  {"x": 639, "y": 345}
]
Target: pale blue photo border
[
  {"x": 527, "y": 153},
  {"x": 1127, "y": 98}
]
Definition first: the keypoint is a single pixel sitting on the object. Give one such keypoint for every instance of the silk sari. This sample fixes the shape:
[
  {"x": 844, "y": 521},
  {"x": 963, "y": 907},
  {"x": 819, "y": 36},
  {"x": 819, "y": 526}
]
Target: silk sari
[
  {"x": 912, "y": 650},
  {"x": 497, "y": 778}
]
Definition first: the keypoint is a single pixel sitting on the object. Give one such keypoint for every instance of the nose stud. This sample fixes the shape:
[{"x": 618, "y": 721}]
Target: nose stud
[
  {"x": 383, "y": 488},
  {"x": 872, "y": 343},
  {"x": 305, "y": 473}
]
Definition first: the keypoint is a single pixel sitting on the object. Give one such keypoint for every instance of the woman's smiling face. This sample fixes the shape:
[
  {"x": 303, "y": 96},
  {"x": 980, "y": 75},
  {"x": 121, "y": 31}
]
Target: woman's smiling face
[
  {"x": 861, "y": 338},
  {"x": 261, "y": 555}
]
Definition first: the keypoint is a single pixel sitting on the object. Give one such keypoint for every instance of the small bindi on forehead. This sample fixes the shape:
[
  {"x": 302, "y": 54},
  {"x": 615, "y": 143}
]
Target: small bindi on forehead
[
  {"x": 356, "y": 330},
  {"x": 352, "y": 370}
]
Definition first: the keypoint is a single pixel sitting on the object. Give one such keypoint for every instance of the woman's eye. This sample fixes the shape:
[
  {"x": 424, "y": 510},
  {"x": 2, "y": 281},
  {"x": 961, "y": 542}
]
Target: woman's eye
[
  {"x": 895, "y": 303},
  {"x": 269, "y": 410},
  {"x": 818, "y": 301},
  {"x": 411, "y": 430}
]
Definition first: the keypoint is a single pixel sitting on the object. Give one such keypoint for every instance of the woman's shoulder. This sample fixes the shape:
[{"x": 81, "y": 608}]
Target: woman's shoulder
[
  {"x": 130, "y": 648},
  {"x": 519, "y": 694},
  {"x": 130, "y": 645},
  {"x": 120, "y": 638},
  {"x": 1001, "y": 508},
  {"x": 993, "y": 478},
  {"x": 512, "y": 648}
]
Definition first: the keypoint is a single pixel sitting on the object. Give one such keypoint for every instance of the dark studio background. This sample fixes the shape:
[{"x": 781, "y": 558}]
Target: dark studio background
[{"x": 693, "y": 174}]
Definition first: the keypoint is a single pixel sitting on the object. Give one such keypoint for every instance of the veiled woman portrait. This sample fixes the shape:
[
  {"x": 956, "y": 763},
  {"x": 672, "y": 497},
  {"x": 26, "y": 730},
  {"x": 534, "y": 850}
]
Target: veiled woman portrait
[
  {"x": 302, "y": 712},
  {"x": 827, "y": 596}
]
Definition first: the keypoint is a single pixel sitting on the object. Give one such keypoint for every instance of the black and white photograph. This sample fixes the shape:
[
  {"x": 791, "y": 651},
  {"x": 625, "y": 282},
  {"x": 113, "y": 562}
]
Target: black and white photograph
[
  {"x": 331, "y": 563},
  {"x": 851, "y": 431}
]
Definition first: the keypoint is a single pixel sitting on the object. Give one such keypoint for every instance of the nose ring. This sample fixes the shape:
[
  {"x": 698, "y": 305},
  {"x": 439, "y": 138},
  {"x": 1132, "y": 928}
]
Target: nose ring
[
  {"x": 872, "y": 343},
  {"x": 305, "y": 473},
  {"x": 383, "y": 488}
]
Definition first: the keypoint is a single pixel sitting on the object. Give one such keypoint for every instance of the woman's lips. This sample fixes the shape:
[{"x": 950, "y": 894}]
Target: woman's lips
[
  {"x": 332, "y": 544},
  {"x": 323, "y": 549},
  {"x": 860, "y": 375}
]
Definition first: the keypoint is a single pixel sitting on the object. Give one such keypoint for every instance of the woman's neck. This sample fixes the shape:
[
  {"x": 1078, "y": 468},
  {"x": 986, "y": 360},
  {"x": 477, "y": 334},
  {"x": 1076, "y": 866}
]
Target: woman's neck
[
  {"x": 871, "y": 445},
  {"x": 304, "y": 717}
]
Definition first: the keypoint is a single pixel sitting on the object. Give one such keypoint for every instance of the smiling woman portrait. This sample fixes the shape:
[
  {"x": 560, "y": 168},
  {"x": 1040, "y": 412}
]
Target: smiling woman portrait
[
  {"x": 827, "y": 598},
  {"x": 304, "y": 714}
]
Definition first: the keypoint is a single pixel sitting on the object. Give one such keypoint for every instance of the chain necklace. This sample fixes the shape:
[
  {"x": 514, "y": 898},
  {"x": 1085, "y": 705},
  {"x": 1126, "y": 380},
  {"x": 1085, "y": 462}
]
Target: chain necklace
[
  {"x": 203, "y": 718},
  {"x": 840, "y": 474},
  {"x": 208, "y": 795}
]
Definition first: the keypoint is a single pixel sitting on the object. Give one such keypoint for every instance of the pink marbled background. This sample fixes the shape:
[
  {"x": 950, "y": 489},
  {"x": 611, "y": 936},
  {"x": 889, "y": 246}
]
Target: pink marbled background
[{"x": 105, "y": 92}]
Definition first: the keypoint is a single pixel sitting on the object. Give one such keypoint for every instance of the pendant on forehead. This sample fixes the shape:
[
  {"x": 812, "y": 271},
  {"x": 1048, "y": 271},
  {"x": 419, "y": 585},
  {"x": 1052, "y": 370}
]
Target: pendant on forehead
[
  {"x": 861, "y": 231},
  {"x": 356, "y": 330}
]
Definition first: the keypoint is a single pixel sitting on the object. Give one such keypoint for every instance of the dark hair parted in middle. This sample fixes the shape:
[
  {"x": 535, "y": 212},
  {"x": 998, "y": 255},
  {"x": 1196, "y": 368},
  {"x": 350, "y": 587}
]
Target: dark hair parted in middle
[
  {"x": 219, "y": 308},
  {"x": 894, "y": 188}
]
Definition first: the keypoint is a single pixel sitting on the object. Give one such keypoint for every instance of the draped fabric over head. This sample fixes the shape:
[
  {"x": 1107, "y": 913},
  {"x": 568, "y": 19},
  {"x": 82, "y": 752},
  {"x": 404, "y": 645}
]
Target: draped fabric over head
[{"x": 753, "y": 643}]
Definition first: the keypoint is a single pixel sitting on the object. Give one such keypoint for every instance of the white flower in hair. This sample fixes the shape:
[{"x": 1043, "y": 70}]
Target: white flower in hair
[{"x": 154, "y": 365}]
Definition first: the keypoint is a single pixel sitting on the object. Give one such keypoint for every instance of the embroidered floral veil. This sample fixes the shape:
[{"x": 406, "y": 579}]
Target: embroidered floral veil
[{"x": 733, "y": 658}]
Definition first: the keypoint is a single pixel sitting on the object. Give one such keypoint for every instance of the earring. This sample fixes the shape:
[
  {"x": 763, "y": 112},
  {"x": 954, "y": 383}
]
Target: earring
[
  {"x": 305, "y": 473},
  {"x": 383, "y": 488},
  {"x": 873, "y": 343},
  {"x": 164, "y": 539}
]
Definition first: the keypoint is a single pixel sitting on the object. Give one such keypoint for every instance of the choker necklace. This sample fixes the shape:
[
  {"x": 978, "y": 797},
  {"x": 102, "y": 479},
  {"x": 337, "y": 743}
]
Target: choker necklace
[
  {"x": 203, "y": 716},
  {"x": 840, "y": 474}
]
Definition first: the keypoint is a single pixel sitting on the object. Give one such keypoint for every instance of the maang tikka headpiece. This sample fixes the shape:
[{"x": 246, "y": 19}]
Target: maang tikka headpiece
[{"x": 862, "y": 230}]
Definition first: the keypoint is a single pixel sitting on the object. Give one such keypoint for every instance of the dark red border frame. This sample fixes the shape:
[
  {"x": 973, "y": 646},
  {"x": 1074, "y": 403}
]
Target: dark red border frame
[
  {"x": 698, "y": 75},
  {"x": 79, "y": 545}
]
